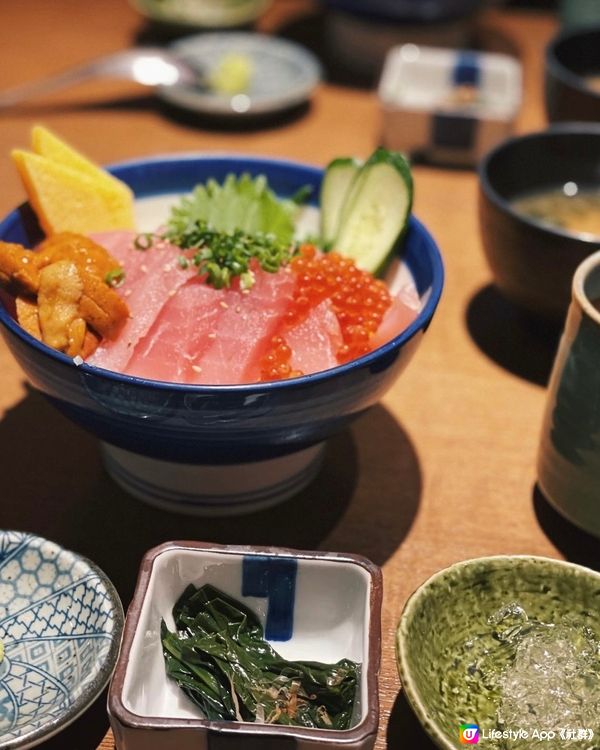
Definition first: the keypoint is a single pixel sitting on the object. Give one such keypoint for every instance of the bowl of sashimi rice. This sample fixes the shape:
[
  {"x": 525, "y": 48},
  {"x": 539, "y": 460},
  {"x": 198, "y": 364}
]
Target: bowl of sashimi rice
[{"x": 213, "y": 319}]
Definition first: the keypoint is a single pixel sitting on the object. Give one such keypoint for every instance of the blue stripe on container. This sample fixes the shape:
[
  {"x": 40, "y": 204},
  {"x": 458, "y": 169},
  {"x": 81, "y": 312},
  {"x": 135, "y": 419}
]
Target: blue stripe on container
[
  {"x": 275, "y": 579},
  {"x": 466, "y": 71}
]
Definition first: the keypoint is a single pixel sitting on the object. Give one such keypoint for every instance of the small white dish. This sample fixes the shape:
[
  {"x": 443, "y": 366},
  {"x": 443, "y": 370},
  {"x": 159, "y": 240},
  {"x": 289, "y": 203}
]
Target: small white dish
[
  {"x": 283, "y": 74},
  {"x": 450, "y": 106},
  {"x": 314, "y": 606}
]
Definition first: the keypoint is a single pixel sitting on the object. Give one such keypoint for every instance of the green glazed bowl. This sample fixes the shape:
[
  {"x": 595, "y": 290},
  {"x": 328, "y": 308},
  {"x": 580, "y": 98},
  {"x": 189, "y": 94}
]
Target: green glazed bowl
[{"x": 453, "y": 607}]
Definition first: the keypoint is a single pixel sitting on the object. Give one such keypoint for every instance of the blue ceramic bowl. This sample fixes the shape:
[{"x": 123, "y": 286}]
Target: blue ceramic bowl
[
  {"x": 60, "y": 624},
  {"x": 159, "y": 435}
]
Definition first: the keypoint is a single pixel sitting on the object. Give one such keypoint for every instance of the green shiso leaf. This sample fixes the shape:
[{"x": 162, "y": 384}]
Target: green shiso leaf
[
  {"x": 218, "y": 656},
  {"x": 232, "y": 223}
]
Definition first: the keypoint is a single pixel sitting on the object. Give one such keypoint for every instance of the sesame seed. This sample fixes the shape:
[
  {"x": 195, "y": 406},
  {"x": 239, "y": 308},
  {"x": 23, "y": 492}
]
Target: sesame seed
[
  {"x": 224, "y": 305},
  {"x": 167, "y": 267},
  {"x": 127, "y": 292},
  {"x": 25, "y": 260},
  {"x": 173, "y": 292},
  {"x": 196, "y": 368},
  {"x": 144, "y": 269},
  {"x": 212, "y": 335},
  {"x": 245, "y": 291},
  {"x": 238, "y": 309}
]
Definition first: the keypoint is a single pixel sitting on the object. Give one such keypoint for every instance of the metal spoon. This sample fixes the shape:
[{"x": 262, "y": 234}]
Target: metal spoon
[{"x": 150, "y": 66}]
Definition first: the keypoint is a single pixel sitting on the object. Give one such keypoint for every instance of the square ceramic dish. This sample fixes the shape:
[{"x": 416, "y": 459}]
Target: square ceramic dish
[
  {"x": 449, "y": 106},
  {"x": 315, "y": 606}
]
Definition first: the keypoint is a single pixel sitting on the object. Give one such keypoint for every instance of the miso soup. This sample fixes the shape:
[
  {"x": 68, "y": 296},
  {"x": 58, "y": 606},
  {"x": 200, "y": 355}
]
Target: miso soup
[{"x": 569, "y": 207}]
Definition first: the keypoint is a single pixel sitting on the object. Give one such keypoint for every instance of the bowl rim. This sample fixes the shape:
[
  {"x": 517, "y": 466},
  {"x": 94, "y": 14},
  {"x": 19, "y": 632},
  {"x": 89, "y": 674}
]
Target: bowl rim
[
  {"x": 142, "y": 7},
  {"x": 419, "y": 323},
  {"x": 468, "y": 8},
  {"x": 583, "y": 270},
  {"x": 95, "y": 688},
  {"x": 406, "y": 677},
  {"x": 367, "y": 727},
  {"x": 490, "y": 192},
  {"x": 560, "y": 70}
]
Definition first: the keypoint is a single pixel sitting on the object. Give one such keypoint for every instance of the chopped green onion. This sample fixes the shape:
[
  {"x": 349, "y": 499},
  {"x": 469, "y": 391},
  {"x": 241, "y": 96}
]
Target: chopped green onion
[
  {"x": 183, "y": 262},
  {"x": 115, "y": 277},
  {"x": 224, "y": 256},
  {"x": 302, "y": 195},
  {"x": 232, "y": 224},
  {"x": 144, "y": 241}
]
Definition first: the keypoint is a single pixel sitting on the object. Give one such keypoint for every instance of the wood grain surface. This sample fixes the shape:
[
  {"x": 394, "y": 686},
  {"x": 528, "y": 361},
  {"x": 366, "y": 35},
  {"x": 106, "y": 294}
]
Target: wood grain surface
[{"x": 442, "y": 470}]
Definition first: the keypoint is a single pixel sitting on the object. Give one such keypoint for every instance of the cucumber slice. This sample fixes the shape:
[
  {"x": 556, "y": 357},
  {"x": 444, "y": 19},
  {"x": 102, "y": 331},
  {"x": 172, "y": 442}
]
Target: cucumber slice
[
  {"x": 336, "y": 183},
  {"x": 376, "y": 210}
]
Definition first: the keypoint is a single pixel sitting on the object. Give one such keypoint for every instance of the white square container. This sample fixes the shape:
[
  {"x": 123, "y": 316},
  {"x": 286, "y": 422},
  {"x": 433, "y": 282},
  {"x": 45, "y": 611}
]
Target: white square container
[
  {"x": 327, "y": 607},
  {"x": 448, "y": 106}
]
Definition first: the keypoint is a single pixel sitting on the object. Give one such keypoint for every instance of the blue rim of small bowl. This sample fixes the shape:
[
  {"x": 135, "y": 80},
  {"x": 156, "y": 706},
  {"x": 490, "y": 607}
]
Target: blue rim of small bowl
[
  {"x": 421, "y": 321},
  {"x": 406, "y": 677},
  {"x": 565, "y": 128},
  {"x": 76, "y": 709},
  {"x": 561, "y": 71}
]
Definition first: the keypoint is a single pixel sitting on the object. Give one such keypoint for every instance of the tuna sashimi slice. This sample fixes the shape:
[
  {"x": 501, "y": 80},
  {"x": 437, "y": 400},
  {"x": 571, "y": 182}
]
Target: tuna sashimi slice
[
  {"x": 244, "y": 330},
  {"x": 179, "y": 335},
  {"x": 316, "y": 341},
  {"x": 405, "y": 308},
  {"x": 120, "y": 245},
  {"x": 152, "y": 277}
]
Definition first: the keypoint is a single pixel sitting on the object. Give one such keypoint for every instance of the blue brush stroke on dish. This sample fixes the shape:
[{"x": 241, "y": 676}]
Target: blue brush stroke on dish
[
  {"x": 466, "y": 71},
  {"x": 275, "y": 579}
]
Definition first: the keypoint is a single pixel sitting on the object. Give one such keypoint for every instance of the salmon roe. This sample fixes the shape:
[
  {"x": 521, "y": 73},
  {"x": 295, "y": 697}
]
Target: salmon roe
[{"x": 357, "y": 298}]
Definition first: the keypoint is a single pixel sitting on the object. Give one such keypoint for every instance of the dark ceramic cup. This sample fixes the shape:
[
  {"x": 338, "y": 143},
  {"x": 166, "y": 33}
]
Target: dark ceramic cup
[
  {"x": 572, "y": 58},
  {"x": 533, "y": 263},
  {"x": 569, "y": 453}
]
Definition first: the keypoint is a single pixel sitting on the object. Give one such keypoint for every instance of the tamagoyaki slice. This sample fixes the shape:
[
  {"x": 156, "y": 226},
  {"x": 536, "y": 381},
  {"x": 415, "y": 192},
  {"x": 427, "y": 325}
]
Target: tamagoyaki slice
[
  {"x": 67, "y": 200},
  {"x": 45, "y": 143}
]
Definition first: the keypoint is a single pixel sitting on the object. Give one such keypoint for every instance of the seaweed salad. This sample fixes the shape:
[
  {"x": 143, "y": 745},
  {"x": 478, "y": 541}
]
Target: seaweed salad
[{"x": 218, "y": 656}]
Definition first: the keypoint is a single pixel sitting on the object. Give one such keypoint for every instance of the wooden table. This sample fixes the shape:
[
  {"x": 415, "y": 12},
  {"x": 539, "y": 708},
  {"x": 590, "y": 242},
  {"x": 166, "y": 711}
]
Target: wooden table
[{"x": 443, "y": 469}]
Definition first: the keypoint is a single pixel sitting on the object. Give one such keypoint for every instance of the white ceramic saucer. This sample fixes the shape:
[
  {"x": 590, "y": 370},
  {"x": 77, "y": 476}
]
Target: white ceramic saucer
[{"x": 284, "y": 74}]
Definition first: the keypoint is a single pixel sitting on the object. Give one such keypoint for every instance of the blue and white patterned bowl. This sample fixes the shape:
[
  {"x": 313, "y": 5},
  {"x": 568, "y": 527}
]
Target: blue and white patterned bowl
[
  {"x": 223, "y": 449},
  {"x": 60, "y": 623}
]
